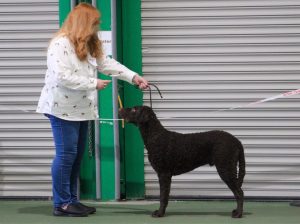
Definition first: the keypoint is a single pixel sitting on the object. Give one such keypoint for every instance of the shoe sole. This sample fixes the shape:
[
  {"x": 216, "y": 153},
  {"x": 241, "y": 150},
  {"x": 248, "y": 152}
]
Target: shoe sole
[{"x": 63, "y": 214}]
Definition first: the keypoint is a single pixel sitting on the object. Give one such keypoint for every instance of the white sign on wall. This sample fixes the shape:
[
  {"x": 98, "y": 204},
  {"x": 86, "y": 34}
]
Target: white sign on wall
[{"x": 106, "y": 38}]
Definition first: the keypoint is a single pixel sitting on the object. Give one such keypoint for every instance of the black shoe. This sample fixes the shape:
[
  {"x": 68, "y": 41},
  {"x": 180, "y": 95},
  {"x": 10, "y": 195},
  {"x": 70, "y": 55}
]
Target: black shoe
[
  {"x": 70, "y": 210},
  {"x": 89, "y": 210},
  {"x": 295, "y": 203}
]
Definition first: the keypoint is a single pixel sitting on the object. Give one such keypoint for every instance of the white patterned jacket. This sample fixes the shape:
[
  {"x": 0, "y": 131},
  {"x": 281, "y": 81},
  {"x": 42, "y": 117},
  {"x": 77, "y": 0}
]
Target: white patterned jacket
[{"x": 70, "y": 84}]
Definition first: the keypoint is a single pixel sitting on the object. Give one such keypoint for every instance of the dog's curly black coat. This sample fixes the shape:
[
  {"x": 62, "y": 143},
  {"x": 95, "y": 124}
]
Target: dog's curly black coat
[{"x": 172, "y": 153}]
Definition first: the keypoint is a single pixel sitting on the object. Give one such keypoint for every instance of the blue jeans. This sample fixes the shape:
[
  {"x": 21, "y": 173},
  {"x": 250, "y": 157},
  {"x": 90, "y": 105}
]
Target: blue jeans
[{"x": 69, "y": 138}]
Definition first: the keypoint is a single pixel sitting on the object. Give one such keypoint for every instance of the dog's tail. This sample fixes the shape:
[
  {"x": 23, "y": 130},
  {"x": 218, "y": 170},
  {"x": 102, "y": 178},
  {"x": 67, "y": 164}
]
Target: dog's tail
[{"x": 242, "y": 165}]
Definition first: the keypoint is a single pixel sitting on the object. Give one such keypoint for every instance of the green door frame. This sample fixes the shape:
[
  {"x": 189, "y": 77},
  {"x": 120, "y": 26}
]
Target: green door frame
[
  {"x": 131, "y": 145},
  {"x": 132, "y": 57}
]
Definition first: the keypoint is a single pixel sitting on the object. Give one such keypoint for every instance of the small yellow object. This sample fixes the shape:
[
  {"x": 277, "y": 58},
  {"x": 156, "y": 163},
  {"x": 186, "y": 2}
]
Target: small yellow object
[{"x": 121, "y": 106}]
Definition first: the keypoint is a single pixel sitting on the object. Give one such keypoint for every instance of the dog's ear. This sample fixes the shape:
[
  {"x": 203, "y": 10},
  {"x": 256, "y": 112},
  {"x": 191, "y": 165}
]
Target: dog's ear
[{"x": 145, "y": 114}]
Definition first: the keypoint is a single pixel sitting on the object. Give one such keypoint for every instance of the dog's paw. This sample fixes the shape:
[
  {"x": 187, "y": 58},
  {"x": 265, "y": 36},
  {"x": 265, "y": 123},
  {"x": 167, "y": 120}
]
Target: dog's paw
[
  {"x": 157, "y": 214},
  {"x": 236, "y": 214}
]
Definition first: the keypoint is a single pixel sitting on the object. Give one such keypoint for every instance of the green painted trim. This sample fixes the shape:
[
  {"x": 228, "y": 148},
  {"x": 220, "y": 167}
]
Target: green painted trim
[
  {"x": 64, "y": 9},
  {"x": 105, "y": 9},
  {"x": 132, "y": 58},
  {"x": 121, "y": 94},
  {"x": 88, "y": 173},
  {"x": 107, "y": 162},
  {"x": 88, "y": 164}
]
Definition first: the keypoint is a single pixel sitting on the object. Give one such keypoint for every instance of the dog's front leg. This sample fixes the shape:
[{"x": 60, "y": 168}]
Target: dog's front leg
[{"x": 164, "y": 185}]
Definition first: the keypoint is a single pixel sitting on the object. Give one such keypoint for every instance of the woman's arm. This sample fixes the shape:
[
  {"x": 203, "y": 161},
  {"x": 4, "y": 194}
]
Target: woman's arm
[{"x": 111, "y": 67}]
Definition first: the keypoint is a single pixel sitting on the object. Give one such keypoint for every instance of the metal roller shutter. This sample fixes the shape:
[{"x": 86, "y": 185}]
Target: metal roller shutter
[
  {"x": 26, "y": 147},
  {"x": 209, "y": 55}
]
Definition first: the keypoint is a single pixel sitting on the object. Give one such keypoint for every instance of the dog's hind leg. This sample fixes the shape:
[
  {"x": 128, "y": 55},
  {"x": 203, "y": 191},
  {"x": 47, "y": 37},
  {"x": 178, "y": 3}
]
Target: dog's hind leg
[
  {"x": 239, "y": 196},
  {"x": 164, "y": 185},
  {"x": 229, "y": 176}
]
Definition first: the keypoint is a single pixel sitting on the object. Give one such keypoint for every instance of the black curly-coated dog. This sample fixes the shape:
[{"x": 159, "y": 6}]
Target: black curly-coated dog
[{"x": 172, "y": 153}]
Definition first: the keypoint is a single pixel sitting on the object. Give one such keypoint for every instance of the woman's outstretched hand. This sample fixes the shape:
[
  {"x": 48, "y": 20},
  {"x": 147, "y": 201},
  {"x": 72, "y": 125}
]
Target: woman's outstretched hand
[{"x": 140, "y": 82}]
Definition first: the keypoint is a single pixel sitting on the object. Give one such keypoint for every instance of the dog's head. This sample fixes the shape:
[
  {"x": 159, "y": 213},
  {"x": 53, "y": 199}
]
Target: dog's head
[{"x": 137, "y": 115}]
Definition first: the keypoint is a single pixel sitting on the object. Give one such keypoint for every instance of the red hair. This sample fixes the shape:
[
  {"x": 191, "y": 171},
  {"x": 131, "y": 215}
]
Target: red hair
[{"x": 81, "y": 28}]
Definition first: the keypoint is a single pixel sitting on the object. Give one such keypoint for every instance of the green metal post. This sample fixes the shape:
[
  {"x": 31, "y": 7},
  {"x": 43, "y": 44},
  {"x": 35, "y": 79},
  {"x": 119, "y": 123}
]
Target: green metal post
[
  {"x": 132, "y": 58},
  {"x": 106, "y": 138},
  {"x": 105, "y": 110}
]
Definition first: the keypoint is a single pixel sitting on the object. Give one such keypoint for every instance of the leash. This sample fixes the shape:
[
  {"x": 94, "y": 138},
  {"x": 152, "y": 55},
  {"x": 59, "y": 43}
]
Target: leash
[
  {"x": 110, "y": 121},
  {"x": 121, "y": 106},
  {"x": 151, "y": 84}
]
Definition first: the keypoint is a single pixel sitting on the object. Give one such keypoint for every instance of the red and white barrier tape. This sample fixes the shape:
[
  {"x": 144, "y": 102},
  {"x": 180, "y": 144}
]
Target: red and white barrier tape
[
  {"x": 282, "y": 95},
  {"x": 110, "y": 121}
]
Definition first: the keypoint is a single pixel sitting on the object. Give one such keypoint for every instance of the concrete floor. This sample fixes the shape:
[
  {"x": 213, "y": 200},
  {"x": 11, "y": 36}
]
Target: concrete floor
[{"x": 138, "y": 212}]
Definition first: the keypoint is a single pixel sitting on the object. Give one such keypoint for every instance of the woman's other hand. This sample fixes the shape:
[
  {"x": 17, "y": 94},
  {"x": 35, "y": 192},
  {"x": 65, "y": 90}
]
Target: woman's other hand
[{"x": 101, "y": 84}]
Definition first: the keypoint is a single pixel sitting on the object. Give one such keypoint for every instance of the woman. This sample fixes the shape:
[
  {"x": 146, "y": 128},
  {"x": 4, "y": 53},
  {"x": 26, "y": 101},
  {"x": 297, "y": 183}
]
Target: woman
[{"x": 67, "y": 99}]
